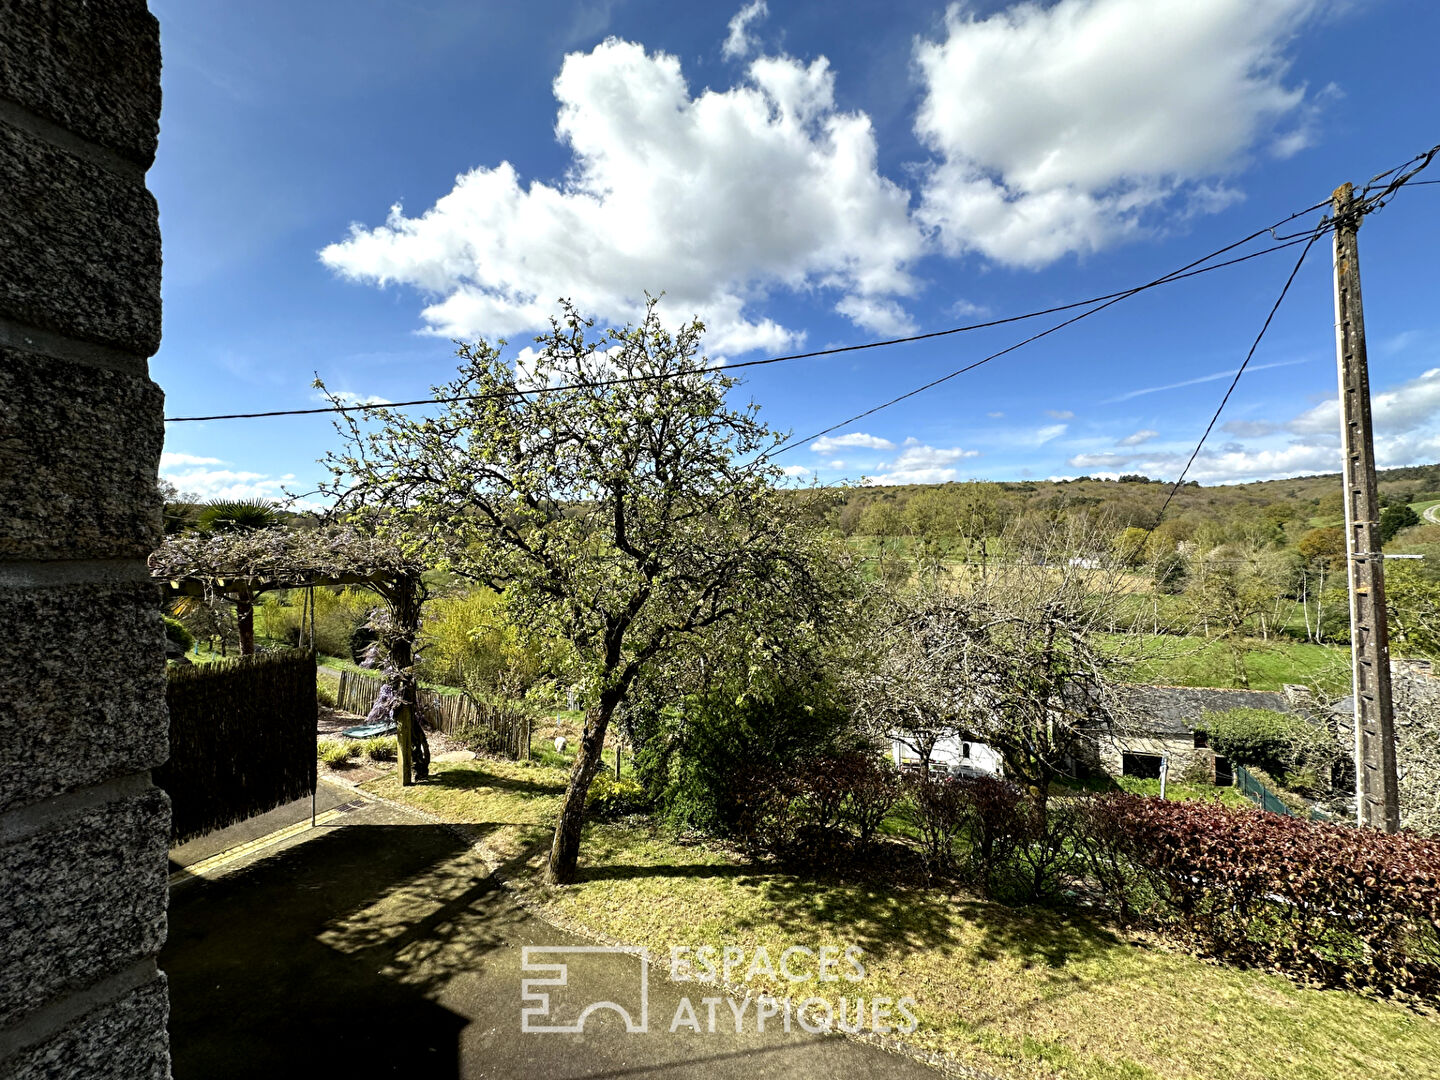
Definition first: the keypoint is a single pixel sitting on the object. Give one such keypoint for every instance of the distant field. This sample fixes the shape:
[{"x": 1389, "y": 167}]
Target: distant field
[
  {"x": 1421, "y": 507},
  {"x": 1193, "y": 661}
]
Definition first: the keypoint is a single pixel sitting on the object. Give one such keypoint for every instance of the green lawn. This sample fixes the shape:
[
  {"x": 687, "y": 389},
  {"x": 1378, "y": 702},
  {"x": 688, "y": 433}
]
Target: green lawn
[
  {"x": 1174, "y": 660},
  {"x": 1421, "y": 507},
  {"x": 1023, "y": 994}
]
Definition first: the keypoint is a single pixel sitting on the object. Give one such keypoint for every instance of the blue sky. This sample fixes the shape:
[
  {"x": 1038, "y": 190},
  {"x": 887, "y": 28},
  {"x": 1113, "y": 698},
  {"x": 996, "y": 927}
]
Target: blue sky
[{"x": 345, "y": 187}]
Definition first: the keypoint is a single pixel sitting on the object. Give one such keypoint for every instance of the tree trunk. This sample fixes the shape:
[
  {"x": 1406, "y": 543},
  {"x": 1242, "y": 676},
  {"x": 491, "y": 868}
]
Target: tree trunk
[
  {"x": 245, "y": 622},
  {"x": 565, "y": 851},
  {"x": 414, "y": 749}
]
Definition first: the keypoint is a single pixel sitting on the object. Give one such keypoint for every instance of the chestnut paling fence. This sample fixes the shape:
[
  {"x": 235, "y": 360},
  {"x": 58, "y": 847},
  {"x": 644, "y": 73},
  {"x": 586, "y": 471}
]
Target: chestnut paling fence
[{"x": 450, "y": 714}]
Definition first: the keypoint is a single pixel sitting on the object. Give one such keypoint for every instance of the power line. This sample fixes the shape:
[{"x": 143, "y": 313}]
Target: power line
[
  {"x": 1366, "y": 204},
  {"x": 1180, "y": 480},
  {"x": 1177, "y": 275},
  {"x": 1107, "y": 298}
]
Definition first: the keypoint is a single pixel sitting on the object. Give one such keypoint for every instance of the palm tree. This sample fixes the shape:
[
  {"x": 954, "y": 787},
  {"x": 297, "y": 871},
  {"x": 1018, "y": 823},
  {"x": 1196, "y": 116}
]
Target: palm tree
[{"x": 244, "y": 515}]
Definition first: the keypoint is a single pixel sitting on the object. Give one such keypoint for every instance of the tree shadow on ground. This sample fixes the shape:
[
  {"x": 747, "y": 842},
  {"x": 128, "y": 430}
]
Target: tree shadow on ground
[
  {"x": 470, "y": 779},
  {"x": 886, "y": 910},
  {"x": 323, "y": 957},
  {"x": 665, "y": 870}
]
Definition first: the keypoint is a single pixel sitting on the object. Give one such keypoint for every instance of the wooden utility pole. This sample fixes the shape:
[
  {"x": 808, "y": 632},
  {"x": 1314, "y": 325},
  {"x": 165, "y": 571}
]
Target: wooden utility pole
[{"x": 1376, "y": 789}]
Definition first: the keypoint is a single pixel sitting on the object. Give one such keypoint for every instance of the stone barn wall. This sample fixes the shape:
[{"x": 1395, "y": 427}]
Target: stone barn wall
[{"x": 82, "y": 663}]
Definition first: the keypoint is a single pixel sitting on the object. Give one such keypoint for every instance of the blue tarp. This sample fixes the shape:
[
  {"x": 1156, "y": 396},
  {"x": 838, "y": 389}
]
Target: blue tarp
[{"x": 369, "y": 731}]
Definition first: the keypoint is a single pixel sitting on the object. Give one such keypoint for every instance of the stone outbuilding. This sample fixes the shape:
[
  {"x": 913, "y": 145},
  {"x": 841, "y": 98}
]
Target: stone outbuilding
[{"x": 1161, "y": 722}]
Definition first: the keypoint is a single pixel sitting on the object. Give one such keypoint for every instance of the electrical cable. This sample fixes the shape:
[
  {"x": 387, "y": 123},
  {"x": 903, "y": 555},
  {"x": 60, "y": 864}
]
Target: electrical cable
[
  {"x": 1366, "y": 204},
  {"x": 1180, "y": 480},
  {"x": 1191, "y": 269},
  {"x": 1178, "y": 275}
]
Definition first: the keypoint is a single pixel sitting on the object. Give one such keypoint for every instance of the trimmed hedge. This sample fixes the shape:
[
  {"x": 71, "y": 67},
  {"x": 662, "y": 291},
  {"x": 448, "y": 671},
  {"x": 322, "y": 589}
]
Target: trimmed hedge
[
  {"x": 242, "y": 739},
  {"x": 179, "y": 633},
  {"x": 1328, "y": 903}
]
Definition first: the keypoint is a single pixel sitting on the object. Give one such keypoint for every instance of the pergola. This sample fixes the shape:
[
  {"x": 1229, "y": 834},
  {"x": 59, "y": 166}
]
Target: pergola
[{"x": 241, "y": 565}]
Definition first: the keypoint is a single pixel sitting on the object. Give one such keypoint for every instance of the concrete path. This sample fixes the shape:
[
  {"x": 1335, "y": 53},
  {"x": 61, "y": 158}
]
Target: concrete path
[
  {"x": 378, "y": 946},
  {"x": 1432, "y": 514}
]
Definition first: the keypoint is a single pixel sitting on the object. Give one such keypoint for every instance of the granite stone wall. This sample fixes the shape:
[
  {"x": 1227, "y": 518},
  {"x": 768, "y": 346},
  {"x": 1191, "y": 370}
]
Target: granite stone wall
[{"x": 82, "y": 707}]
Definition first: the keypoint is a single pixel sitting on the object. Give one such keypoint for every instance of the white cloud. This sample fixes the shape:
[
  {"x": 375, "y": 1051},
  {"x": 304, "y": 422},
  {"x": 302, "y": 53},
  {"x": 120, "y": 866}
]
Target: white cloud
[
  {"x": 1045, "y": 434},
  {"x": 1092, "y": 476},
  {"x": 922, "y": 464},
  {"x": 1142, "y": 436},
  {"x": 828, "y": 444},
  {"x": 349, "y": 397},
  {"x": 198, "y": 476},
  {"x": 739, "y": 42},
  {"x": 883, "y": 316},
  {"x": 1086, "y": 461},
  {"x": 210, "y": 484},
  {"x": 716, "y": 199},
  {"x": 996, "y": 415},
  {"x": 1058, "y": 127},
  {"x": 966, "y": 308},
  {"x": 1402, "y": 409},
  {"x": 797, "y": 470},
  {"x": 1407, "y": 432},
  {"x": 169, "y": 460},
  {"x": 1060, "y": 414}
]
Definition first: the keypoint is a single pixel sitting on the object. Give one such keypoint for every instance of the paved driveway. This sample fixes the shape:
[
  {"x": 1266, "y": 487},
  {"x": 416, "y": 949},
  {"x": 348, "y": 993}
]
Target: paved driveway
[{"x": 379, "y": 946}]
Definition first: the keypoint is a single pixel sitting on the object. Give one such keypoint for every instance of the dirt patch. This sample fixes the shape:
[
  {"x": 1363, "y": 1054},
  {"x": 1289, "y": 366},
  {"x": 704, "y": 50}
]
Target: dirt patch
[{"x": 330, "y": 722}]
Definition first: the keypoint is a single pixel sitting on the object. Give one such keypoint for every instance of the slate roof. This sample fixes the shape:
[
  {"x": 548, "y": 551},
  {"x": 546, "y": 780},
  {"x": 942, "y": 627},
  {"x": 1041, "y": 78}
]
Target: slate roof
[{"x": 1173, "y": 710}]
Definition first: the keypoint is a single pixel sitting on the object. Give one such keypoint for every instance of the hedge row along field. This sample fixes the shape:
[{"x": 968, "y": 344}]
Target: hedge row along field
[{"x": 242, "y": 739}]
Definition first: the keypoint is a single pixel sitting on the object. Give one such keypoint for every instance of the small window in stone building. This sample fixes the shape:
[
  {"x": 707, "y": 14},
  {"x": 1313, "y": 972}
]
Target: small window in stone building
[
  {"x": 1143, "y": 766},
  {"x": 1202, "y": 740},
  {"x": 964, "y": 749}
]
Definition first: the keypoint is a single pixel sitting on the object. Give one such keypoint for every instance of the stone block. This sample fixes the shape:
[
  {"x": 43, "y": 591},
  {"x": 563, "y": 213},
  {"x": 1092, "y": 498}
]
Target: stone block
[
  {"x": 79, "y": 448},
  {"x": 82, "y": 676},
  {"x": 86, "y": 897},
  {"x": 79, "y": 246},
  {"x": 121, "y": 1040},
  {"x": 93, "y": 68}
]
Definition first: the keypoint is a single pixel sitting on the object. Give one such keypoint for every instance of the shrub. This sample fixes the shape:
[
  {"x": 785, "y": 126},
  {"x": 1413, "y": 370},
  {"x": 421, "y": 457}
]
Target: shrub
[
  {"x": 470, "y": 641},
  {"x": 1044, "y": 859},
  {"x": 177, "y": 632},
  {"x": 763, "y": 804},
  {"x": 1282, "y": 744},
  {"x": 480, "y": 739},
  {"x": 380, "y": 748},
  {"x": 612, "y": 798},
  {"x": 325, "y": 693},
  {"x": 937, "y": 807},
  {"x": 1329, "y": 903},
  {"x": 723, "y": 757},
  {"x": 991, "y": 820},
  {"x": 337, "y": 752},
  {"x": 361, "y": 638},
  {"x": 873, "y": 789}
]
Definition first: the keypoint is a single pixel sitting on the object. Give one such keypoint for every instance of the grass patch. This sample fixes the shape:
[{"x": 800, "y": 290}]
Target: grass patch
[
  {"x": 337, "y": 752},
  {"x": 1021, "y": 993},
  {"x": 1173, "y": 660}
]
